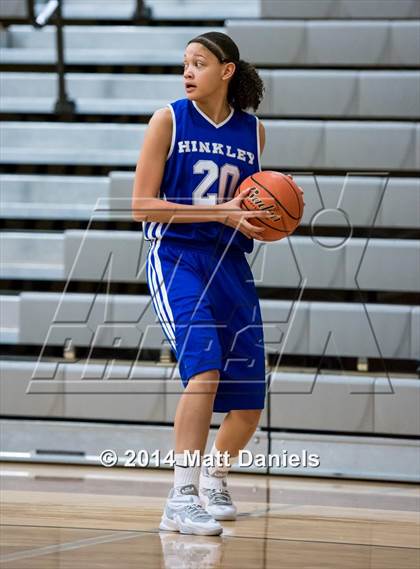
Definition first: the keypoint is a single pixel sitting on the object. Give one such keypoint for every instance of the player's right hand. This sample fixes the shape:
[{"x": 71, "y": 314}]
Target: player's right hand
[{"x": 232, "y": 214}]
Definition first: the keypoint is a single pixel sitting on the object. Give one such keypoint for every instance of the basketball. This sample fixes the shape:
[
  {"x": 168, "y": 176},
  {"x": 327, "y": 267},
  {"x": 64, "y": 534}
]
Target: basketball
[{"x": 277, "y": 193}]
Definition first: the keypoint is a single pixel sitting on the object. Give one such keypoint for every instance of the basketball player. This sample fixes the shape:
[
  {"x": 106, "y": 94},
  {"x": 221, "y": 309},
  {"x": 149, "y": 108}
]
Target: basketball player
[{"x": 196, "y": 151}]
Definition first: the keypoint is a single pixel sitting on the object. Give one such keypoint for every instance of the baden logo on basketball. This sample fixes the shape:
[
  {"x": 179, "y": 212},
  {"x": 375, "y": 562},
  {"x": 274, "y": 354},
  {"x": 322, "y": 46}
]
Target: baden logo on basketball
[
  {"x": 259, "y": 203},
  {"x": 280, "y": 195}
]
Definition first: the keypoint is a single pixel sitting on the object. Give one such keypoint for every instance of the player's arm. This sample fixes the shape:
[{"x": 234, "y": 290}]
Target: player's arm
[
  {"x": 262, "y": 136},
  {"x": 146, "y": 206},
  {"x": 151, "y": 161}
]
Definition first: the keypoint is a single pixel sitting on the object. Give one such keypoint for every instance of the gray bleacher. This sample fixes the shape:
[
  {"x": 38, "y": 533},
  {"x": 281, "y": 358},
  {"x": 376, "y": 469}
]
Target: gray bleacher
[
  {"x": 343, "y": 96},
  {"x": 363, "y": 405},
  {"x": 382, "y": 94},
  {"x": 336, "y": 9},
  {"x": 52, "y": 319},
  {"x": 392, "y": 202},
  {"x": 327, "y": 263},
  {"x": 361, "y": 401},
  {"x": 296, "y": 144},
  {"x": 328, "y": 43},
  {"x": 29, "y": 196},
  {"x": 94, "y": 92},
  {"x": 298, "y": 43},
  {"x": 220, "y": 9},
  {"x": 106, "y": 45},
  {"x": 163, "y": 9}
]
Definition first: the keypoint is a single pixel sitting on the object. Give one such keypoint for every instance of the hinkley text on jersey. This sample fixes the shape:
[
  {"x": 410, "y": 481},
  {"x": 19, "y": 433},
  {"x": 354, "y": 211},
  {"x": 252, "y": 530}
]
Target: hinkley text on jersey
[{"x": 215, "y": 148}]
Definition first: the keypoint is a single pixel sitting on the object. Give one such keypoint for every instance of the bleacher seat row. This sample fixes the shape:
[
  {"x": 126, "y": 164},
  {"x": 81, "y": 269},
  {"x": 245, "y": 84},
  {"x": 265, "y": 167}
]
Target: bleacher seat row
[
  {"x": 388, "y": 201},
  {"x": 367, "y": 403},
  {"x": 297, "y": 43},
  {"x": 221, "y": 10},
  {"x": 300, "y": 93},
  {"x": 324, "y": 262},
  {"x": 387, "y": 332},
  {"x": 292, "y": 144}
]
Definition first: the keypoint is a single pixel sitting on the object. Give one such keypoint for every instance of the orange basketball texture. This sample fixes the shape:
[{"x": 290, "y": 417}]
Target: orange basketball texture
[{"x": 280, "y": 195}]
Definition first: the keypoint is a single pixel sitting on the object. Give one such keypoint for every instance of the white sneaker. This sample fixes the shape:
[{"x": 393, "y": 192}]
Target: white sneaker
[
  {"x": 184, "y": 513},
  {"x": 215, "y": 497}
]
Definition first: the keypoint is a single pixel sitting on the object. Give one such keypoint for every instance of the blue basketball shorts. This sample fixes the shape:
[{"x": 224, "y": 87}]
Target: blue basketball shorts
[{"x": 209, "y": 310}]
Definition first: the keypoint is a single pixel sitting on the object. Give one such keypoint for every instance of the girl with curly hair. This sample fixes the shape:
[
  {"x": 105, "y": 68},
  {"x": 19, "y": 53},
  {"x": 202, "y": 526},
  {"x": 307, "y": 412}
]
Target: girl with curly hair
[{"x": 196, "y": 152}]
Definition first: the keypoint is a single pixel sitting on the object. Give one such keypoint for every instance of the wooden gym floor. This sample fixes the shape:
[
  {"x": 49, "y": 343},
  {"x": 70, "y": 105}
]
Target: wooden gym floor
[{"x": 88, "y": 517}]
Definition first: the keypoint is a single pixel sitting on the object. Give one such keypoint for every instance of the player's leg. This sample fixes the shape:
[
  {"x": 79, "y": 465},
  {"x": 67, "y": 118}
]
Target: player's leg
[
  {"x": 183, "y": 509},
  {"x": 237, "y": 429},
  {"x": 194, "y": 411},
  {"x": 242, "y": 382},
  {"x": 186, "y": 316},
  {"x": 234, "y": 433}
]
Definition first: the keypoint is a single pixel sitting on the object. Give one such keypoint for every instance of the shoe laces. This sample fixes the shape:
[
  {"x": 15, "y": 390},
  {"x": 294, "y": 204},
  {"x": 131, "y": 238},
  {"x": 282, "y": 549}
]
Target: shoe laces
[
  {"x": 197, "y": 512},
  {"x": 221, "y": 497}
]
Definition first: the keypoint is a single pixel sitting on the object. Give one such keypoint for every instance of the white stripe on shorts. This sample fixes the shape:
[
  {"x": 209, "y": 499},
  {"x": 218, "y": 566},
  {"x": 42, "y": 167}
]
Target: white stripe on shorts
[
  {"x": 163, "y": 285},
  {"x": 159, "y": 294}
]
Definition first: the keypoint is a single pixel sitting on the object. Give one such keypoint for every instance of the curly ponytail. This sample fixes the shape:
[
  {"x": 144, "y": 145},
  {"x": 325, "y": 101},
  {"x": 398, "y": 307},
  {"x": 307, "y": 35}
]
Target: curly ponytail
[{"x": 246, "y": 88}]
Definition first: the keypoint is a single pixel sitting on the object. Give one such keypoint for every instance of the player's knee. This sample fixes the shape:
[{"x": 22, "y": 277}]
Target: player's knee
[
  {"x": 208, "y": 380},
  {"x": 250, "y": 417}
]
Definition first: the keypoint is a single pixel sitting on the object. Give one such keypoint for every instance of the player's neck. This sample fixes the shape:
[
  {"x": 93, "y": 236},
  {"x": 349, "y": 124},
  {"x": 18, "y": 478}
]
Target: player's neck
[{"x": 217, "y": 110}]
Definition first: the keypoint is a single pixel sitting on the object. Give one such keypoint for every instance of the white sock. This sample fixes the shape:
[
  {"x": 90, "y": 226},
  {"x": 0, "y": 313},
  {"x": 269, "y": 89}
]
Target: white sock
[
  {"x": 218, "y": 473},
  {"x": 184, "y": 473}
]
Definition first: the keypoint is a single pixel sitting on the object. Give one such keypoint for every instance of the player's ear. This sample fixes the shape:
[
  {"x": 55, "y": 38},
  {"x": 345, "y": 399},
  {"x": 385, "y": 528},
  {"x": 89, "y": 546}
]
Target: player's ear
[{"x": 229, "y": 70}]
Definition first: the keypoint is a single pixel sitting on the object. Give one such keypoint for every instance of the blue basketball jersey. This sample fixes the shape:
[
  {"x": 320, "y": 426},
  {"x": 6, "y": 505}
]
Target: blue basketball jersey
[{"x": 206, "y": 160}]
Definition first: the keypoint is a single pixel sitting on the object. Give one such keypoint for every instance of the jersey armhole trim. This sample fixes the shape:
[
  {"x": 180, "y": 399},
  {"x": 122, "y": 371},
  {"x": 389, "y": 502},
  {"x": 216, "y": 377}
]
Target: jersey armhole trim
[
  {"x": 171, "y": 149},
  {"x": 257, "y": 122}
]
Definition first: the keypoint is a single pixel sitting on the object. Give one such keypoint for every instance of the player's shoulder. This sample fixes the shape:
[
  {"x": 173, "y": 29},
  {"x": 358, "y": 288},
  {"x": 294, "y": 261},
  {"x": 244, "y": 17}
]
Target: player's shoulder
[
  {"x": 160, "y": 126},
  {"x": 162, "y": 115}
]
